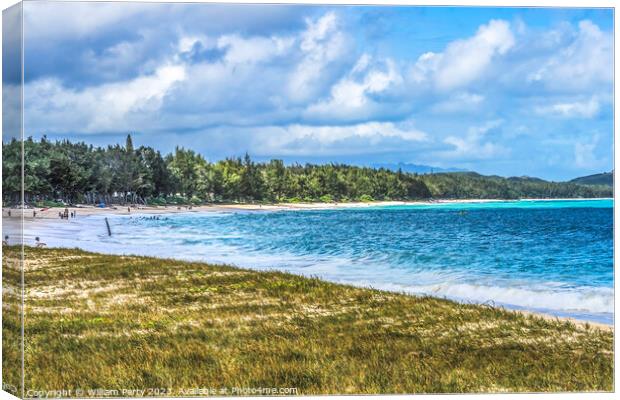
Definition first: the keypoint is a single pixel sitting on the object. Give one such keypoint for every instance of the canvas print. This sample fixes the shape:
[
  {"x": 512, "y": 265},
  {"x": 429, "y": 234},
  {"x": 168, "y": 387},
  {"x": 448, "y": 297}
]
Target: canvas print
[{"x": 238, "y": 200}]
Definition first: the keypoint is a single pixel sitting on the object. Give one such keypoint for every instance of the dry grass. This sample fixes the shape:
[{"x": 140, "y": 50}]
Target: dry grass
[{"x": 100, "y": 321}]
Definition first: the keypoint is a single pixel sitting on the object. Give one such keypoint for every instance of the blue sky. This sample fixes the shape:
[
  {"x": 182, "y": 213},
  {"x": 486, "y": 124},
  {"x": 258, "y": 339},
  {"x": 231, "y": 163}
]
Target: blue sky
[{"x": 507, "y": 91}]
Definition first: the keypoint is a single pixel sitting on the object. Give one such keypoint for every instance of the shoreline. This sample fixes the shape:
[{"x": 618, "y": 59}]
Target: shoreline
[
  {"x": 87, "y": 210},
  {"x": 47, "y": 217},
  {"x": 582, "y": 324},
  {"x": 577, "y": 322}
]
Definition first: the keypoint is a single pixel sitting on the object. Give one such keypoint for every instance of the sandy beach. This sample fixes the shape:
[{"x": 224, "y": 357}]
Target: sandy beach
[
  {"x": 86, "y": 210},
  {"x": 42, "y": 214},
  {"x": 577, "y": 322}
]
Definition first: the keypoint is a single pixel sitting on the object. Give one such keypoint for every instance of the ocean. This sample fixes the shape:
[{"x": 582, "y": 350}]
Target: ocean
[{"x": 554, "y": 257}]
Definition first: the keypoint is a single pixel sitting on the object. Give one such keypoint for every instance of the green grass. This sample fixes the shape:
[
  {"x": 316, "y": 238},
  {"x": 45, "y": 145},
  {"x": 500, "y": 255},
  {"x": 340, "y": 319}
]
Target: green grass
[
  {"x": 100, "y": 321},
  {"x": 11, "y": 322}
]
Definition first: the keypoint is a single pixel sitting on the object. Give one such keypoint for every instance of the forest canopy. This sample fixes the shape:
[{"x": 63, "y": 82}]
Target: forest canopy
[{"x": 63, "y": 171}]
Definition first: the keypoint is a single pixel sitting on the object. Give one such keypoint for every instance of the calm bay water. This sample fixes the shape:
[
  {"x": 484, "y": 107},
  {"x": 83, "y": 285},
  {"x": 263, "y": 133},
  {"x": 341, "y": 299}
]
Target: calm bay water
[{"x": 549, "y": 256}]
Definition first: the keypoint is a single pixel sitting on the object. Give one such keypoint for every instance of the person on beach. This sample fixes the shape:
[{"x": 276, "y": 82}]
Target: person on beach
[
  {"x": 128, "y": 209},
  {"x": 6, "y": 240},
  {"x": 34, "y": 213},
  {"x": 39, "y": 242},
  {"x": 66, "y": 215}
]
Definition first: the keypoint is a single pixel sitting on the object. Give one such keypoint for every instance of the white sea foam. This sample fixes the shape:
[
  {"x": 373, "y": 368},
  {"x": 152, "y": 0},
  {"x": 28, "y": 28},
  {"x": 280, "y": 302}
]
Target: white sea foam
[{"x": 578, "y": 300}]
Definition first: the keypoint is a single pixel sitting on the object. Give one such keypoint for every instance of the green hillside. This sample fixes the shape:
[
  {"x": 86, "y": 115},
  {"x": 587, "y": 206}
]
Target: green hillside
[{"x": 606, "y": 179}]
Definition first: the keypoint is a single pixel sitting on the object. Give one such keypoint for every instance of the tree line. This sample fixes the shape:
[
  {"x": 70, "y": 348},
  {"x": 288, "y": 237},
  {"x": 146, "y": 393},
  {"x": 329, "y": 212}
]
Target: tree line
[{"x": 63, "y": 171}]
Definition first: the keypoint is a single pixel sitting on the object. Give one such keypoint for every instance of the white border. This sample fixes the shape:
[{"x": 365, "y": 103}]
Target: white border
[{"x": 483, "y": 3}]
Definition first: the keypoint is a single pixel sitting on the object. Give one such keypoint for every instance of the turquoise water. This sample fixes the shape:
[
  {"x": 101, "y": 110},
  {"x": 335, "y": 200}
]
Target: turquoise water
[
  {"x": 521, "y": 204},
  {"x": 549, "y": 256}
]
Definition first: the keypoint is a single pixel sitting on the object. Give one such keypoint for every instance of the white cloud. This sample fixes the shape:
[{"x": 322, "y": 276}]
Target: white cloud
[
  {"x": 108, "y": 107},
  {"x": 585, "y": 156},
  {"x": 299, "y": 139},
  {"x": 238, "y": 49},
  {"x": 578, "y": 109},
  {"x": 186, "y": 42},
  {"x": 473, "y": 146},
  {"x": 321, "y": 45},
  {"x": 119, "y": 59},
  {"x": 254, "y": 49},
  {"x": 585, "y": 62},
  {"x": 351, "y": 97},
  {"x": 262, "y": 77},
  {"x": 75, "y": 19},
  {"x": 237, "y": 85},
  {"x": 459, "y": 102},
  {"x": 464, "y": 61}
]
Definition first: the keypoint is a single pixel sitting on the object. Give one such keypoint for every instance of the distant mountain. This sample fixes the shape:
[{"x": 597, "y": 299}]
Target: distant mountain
[
  {"x": 414, "y": 168},
  {"x": 526, "y": 179},
  {"x": 606, "y": 178}
]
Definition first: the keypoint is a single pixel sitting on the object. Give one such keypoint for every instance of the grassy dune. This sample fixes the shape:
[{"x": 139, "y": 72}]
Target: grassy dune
[{"x": 100, "y": 321}]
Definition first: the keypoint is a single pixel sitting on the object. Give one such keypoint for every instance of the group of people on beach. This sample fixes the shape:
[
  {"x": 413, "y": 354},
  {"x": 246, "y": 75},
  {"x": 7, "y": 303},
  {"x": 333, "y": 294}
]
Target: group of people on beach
[{"x": 67, "y": 214}]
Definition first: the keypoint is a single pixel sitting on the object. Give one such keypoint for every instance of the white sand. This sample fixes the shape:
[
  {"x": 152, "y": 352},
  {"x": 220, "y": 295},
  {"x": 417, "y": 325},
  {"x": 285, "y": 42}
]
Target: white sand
[{"x": 83, "y": 210}]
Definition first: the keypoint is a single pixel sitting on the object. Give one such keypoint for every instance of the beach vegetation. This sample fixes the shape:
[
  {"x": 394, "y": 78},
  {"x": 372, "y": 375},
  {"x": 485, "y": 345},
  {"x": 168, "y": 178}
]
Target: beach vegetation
[{"x": 114, "y": 322}]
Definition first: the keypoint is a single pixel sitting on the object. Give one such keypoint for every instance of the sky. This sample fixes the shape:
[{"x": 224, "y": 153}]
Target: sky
[{"x": 506, "y": 91}]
